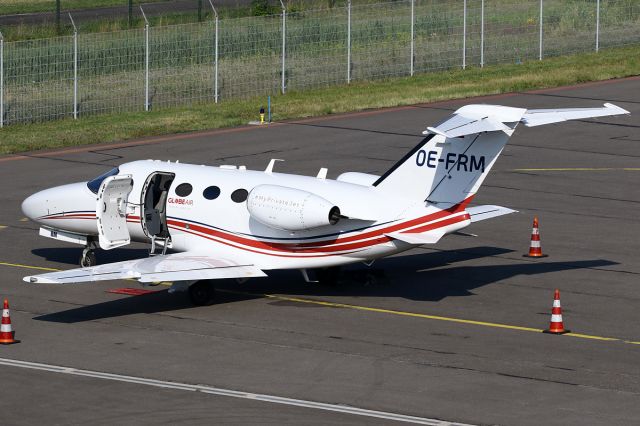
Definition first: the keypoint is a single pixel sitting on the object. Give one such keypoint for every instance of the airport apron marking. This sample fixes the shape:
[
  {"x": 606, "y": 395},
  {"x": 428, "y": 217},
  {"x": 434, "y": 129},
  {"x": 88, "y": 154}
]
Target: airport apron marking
[
  {"x": 339, "y": 408},
  {"x": 424, "y": 316}
]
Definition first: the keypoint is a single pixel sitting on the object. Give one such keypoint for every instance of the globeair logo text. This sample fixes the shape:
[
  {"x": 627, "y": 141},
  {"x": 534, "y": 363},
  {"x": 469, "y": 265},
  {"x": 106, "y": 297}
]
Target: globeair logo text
[{"x": 181, "y": 201}]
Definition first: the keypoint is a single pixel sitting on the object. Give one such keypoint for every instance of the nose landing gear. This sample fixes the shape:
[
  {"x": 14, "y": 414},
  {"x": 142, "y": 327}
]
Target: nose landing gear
[{"x": 88, "y": 257}]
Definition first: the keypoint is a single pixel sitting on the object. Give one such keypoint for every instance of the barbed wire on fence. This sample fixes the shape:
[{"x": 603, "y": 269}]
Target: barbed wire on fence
[{"x": 236, "y": 58}]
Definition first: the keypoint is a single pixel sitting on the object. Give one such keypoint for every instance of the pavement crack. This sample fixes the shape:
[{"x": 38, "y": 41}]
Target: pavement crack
[{"x": 270, "y": 151}]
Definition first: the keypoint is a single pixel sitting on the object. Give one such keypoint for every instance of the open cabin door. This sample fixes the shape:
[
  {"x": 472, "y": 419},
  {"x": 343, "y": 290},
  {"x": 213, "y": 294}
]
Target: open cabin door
[
  {"x": 153, "y": 200},
  {"x": 111, "y": 211}
]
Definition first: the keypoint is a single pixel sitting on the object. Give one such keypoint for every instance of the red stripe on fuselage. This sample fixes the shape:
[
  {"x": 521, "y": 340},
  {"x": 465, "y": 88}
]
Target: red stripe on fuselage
[{"x": 329, "y": 247}]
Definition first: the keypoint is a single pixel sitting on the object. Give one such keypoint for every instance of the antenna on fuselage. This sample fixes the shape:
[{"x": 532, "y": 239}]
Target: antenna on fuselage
[
  {"x": 322, "y": 173},
  {"x": 272, "y": 163}
]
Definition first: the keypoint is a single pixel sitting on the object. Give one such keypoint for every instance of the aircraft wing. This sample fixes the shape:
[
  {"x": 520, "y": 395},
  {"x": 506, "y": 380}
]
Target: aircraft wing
[{"x": 169, "y": 267}]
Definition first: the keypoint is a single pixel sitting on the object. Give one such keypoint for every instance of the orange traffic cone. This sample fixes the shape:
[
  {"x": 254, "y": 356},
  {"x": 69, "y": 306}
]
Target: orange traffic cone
[
  {"x": 535, "y": 250},
  {"x": 6, "y": 332},
  {"x": 556, "y": 326}
]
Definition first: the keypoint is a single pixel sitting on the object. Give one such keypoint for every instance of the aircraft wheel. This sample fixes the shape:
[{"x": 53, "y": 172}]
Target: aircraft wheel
[
  {"x": 328, "y": 276},
  {"x": 202, "y": 293},
  {"x": 370, "y": 279},
  {"x": 88, "y": 259}
]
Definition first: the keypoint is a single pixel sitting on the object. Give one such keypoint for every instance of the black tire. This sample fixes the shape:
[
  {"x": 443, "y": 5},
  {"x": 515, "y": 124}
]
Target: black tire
[
  {"x": 370, "y": 279},
  {"x": 202, "y": 293},
  {"x": 328, "y": 276},
  {"x": 88, "y": 260}
]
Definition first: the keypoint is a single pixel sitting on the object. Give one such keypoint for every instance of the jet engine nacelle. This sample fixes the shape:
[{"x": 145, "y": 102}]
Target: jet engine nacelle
[{"x": 290, "y": 209}]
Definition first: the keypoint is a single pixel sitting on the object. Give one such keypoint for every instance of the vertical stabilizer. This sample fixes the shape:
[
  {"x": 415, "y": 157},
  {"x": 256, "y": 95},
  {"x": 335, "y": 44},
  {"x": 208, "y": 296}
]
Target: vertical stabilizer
[{"x": 451, "y": 163}]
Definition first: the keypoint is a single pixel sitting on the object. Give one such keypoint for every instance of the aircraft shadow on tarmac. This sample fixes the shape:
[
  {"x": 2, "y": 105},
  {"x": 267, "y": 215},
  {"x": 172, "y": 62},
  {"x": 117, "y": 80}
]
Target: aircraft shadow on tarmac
[
  {"x": 71, "y": 255},
  {"x": 425, "y": 277}
]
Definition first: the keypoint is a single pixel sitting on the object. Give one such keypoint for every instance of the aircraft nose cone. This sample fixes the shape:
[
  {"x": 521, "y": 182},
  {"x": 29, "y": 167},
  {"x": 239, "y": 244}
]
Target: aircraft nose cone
[
  {"x": 35, "y": 206},
  {"x": 70, "y": 208}
]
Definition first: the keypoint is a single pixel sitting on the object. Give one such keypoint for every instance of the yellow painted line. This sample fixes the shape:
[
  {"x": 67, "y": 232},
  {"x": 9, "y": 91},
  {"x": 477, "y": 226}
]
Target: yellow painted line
[
  {"x": 2, "y": 227},
  {"x": 426, "y": 316},
  {"x": 405, "y": 314},
  {"x": 588, "y": 336},
  {"x": 24, "y": 219},
  {"x": 18, "y": 265},
  {"x": 579, "y": 169},
  {"x": 378, "y": 310}
]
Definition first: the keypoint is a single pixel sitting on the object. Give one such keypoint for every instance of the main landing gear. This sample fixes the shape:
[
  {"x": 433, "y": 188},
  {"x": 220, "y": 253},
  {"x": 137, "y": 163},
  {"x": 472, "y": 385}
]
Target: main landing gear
[
  {"x": 88, "y": 257},
  {"x": 202, "y": 293},
  {"x": 329, "y": 276}
]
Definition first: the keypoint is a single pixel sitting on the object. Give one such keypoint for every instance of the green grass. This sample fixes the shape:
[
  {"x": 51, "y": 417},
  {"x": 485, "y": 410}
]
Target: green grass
[
  {"x": 39, "y": 73},
  {"x": 613, "y": 63}
]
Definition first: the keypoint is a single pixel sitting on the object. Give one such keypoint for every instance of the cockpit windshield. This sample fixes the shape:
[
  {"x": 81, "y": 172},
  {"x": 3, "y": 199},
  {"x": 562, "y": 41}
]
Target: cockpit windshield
[{"x": 94, "y": 184}]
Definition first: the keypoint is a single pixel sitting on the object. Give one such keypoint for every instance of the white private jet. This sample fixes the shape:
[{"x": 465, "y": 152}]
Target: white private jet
[{"x": 230, "y": 222}]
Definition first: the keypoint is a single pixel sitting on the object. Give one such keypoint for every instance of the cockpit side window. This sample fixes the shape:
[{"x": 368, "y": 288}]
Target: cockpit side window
[{"x": 94, "y": 184}]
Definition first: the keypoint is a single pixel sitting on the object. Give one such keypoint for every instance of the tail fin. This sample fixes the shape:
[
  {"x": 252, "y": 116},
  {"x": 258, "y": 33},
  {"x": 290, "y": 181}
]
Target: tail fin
[{"x": 452, "y": 161}]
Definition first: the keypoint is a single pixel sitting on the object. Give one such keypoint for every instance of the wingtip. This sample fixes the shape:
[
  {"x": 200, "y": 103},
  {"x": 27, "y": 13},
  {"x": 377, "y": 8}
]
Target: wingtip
[
  {"x": 36, "y": 280},
  {"x": 616, "y": 108},
  {"x": 436, "y": 132}
]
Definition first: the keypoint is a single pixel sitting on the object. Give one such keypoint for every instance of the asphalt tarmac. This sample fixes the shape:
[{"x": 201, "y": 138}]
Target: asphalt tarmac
[{"x": 451, "y": 332}]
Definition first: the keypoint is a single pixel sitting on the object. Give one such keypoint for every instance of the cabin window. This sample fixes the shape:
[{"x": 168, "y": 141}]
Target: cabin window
[
  {"x": 211, "y": 192},
  {"x": 94, "y": 184},
  {"x": 184, "y": 189},
  {"x": 239, "y": 195}
]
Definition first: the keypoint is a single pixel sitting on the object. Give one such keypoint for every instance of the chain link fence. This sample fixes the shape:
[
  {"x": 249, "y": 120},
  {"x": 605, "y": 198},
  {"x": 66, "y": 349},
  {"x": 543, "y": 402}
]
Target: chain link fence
[{"x": 160, "y": 67}]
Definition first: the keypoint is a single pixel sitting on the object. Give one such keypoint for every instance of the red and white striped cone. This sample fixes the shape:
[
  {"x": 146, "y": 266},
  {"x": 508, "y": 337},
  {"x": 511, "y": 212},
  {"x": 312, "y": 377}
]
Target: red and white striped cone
[
  {"x": 535, "y": 249},
  {"x": 556, "y": 326},
  {"x": 6, "y": 331}
]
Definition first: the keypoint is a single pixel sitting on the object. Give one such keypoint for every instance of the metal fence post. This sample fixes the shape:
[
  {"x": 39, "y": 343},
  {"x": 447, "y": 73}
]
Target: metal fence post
[
  {"x": 1, "y": 80},
  {"x": 146, "y": 60},
  {"x": 349, "y": 42},
  {"x": 284, "y": 42},
  {"x": 540, "y": 43},
  {"x": 597, "y": 25},
  {"x": 75, "y": 68},
  {"x": 215, "y": 78},
  {"x": 464, "y": 35},
  {"x": 413, "y": 5},
  {"x": 482, "y": 34}
]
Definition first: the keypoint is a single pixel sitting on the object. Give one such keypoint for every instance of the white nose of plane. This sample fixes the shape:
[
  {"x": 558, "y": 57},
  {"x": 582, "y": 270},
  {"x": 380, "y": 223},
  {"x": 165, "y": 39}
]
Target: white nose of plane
[{"x": 58, "y": 202}]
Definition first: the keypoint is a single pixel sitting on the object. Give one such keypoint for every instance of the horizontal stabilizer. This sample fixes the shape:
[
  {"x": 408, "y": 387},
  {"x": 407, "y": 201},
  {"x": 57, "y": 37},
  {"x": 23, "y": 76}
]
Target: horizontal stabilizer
[
  {"x": 170, "y": 267},
  {"x": 460, "y": 125},
  {"x": 479, "y": 213},
  {"x": 538, "y": 117},
  {"x": 430, "y": 237}
]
